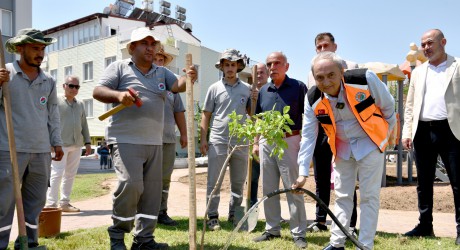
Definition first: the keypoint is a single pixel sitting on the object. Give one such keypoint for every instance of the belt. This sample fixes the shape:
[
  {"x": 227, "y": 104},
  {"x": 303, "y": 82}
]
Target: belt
[
  {"x": 293, "y": 132},
  {"x": 434, "y": 123}
]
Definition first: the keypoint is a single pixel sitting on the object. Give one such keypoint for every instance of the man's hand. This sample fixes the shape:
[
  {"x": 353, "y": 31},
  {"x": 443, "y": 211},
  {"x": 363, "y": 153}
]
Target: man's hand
[
  {"x": 4, "y": 76},
  {"x": 204, "y": 147},
  {"x": 191, "y": 72},
  {"x": 300, "y": 182},
  {"x": 88, "y": 149},
  {"x": 407, "y": 143},
  {"x": 58, "y": 153},
  {"x": 183, "y": 141},
  {"x": 126, "y": 98}
]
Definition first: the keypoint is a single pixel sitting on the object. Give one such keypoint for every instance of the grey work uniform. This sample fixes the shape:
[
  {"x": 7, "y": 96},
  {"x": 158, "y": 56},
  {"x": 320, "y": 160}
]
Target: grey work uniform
[
  {"x": 173, "y": 105},
  {"x": 221, "y": 100},
  {"x": 137, "y": 148},
  {"x": 34, "y": 111}
]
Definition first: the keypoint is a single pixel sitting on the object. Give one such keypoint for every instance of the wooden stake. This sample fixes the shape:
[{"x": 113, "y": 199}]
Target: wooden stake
[{"x": 191, "y": 156}]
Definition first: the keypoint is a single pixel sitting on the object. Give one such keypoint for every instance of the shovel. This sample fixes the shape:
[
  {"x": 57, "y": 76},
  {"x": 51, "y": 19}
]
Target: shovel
[{"x": 240, "y": 211}]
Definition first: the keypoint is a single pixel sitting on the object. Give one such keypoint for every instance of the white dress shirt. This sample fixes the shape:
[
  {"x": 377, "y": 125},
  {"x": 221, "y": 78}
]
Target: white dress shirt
[{"x": 434, "y": 105}]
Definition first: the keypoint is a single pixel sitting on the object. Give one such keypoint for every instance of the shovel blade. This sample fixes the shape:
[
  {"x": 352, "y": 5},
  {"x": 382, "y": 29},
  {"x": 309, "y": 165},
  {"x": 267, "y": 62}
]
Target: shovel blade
[{"x": 251, "y": 221}]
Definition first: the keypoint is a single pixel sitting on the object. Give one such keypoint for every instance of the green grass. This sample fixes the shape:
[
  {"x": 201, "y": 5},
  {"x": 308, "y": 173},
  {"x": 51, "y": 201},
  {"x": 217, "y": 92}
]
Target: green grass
[
  {"x": 177, "y": 238},
  {"x": 87, "y": 186},
  {"x": 90, "y": 185}
]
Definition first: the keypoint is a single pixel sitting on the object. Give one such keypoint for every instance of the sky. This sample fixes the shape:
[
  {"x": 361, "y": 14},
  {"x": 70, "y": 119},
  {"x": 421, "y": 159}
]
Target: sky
[{"x": 365, "y": 31}]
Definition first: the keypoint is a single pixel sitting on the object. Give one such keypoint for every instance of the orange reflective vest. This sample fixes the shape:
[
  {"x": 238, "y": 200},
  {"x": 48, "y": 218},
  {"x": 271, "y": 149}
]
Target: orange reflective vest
[{"x": 362, "y": 105}]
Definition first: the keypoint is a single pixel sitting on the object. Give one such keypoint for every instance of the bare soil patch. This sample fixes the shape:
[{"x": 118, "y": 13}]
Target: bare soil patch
[{"x": 393, "y": 196}]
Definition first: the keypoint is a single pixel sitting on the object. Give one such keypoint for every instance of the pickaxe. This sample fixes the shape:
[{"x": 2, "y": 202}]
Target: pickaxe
[{"x": 119, "y": 107}]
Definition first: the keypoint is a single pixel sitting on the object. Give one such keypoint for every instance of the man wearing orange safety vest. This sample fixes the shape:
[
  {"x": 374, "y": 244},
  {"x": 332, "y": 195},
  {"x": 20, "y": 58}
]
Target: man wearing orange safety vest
[{"x": 356, "y": 111}]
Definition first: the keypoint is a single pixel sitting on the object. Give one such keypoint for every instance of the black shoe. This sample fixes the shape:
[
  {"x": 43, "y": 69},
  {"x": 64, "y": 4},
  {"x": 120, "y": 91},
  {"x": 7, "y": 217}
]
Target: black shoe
[
  {"x": 330, "y": 247},
  {"x": 117, "y": 244},
  {"x": 148, "y": 245},
  {"x": 30, "y": 245},
  {"x": 164, "y": 219},
  {"x": 266, "y": 236},
  {"x": 231, "y": 219},
  {"x": 420, "y": 230},
  {"x": 316, "y": 227},
  {"x": 300, "y": 242},
  {"x": 457, "y": 241}
]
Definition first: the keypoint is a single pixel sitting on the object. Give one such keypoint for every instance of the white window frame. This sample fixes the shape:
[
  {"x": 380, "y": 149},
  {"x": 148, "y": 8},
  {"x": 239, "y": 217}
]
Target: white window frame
[
  {"x": 54, "y": 73},
  {"x": 88, "y": 104},
  {"x": 68, "y": 71},
  {"x": 7, "y": 28},
  {"x": 88, "y": 71},
  {"x": 109, "y": 60}
]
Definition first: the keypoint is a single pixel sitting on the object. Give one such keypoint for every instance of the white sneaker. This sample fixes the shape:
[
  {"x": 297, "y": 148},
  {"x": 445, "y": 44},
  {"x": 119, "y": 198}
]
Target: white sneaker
[
  {"x": 52, "y": 205},
  {"x": 69, "y": 208}
]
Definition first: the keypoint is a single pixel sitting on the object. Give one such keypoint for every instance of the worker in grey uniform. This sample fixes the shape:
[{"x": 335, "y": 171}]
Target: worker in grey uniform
[
  {"x": 174, "y": 114},
  {"x": 35, "y": 115},
  {"x": 223, "y": 97},
  {"x": 133, "y": 136}
]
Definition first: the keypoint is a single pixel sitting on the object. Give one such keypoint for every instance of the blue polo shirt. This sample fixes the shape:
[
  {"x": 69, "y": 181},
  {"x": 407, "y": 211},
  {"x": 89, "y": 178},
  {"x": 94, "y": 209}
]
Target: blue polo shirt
[{"x": 291, "y": 93}]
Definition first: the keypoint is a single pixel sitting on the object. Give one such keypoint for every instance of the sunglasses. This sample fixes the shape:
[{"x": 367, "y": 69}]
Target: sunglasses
[{"x": 73, "y": 86}]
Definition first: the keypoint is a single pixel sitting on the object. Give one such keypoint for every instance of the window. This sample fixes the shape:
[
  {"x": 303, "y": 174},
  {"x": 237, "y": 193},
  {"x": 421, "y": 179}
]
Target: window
[
  {"x": 107, "y": 107},
  {"x": 109, "y": 60},
  {"x": 97, "y": 32},
  {"x": 80, "y": 35},
  {"x": 75, "y": 37},
  {"x": 53, "y": 74},
  {"x": 86, "y": 34},
  {"x": 87, "y": 71},
  {"x": 88, "y": 107},
  {"x": 6, "y": 22},
  {"x": 67, "y": 71}
]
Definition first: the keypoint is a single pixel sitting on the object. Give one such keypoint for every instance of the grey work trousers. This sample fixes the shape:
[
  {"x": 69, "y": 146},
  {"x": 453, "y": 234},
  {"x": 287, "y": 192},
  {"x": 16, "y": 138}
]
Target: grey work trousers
[
  {"x": 287, "y": 169},
  {"x": 169, "y": 156},
  {"x": 238, "y": 165},
  {"x": 137, "y": 198},
  {"x": 34, "y": 172}
]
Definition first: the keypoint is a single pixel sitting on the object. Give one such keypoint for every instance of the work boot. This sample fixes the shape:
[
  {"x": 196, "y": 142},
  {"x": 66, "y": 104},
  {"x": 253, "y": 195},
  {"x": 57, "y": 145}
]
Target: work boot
[
  {"x": 213, "y": 224},
  {"x": 152, "y": 244},
  {"x": 30, "y": 245},
  {"x": 69, "y": 208},
  {"x": 300, "y": 242},
  {"x": 265, "y": 237},
  {"x": 316, "y": 227},
  {"x": 117, "y": 244},
  {"x": 164, "y": 219}
]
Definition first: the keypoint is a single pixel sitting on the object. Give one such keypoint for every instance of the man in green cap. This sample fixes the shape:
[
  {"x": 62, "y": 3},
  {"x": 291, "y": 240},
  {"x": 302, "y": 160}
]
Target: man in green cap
[{"x": 34, "y": 110}]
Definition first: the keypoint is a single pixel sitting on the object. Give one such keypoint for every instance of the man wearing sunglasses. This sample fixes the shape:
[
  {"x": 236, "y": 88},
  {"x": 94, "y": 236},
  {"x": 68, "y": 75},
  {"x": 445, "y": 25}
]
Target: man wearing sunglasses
[{"x": 74, "y": 132}]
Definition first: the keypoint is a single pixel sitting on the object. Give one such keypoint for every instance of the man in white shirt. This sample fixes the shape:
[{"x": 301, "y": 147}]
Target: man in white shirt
[{"x": 432, "y": 127}]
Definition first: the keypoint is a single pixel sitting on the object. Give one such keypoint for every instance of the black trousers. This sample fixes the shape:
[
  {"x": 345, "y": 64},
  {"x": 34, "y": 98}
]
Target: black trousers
[
  {"x": 322, "y": 157},
  {"x": 432, "y": 139}
]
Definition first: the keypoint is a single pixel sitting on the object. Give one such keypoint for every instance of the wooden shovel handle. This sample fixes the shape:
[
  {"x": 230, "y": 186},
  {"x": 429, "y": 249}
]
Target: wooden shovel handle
[{"x": 12, "y": 147}]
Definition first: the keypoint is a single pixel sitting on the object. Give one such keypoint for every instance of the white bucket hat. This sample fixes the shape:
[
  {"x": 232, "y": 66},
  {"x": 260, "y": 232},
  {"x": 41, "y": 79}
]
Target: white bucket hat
[{"x": 139, "y": 34}]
